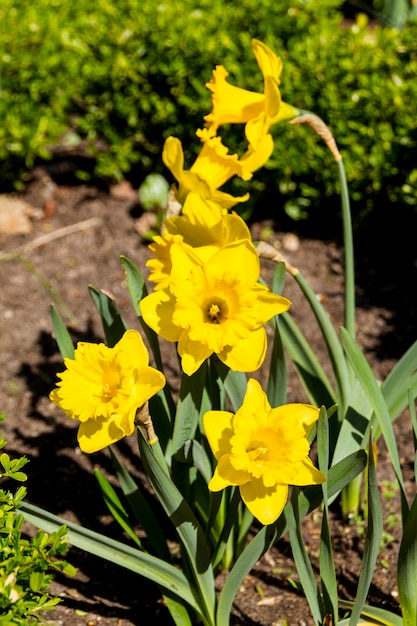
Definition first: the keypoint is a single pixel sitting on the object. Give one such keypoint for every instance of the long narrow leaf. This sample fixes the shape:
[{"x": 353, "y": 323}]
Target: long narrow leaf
[
  {"x": 309, "y": 499},
  {"x": 115, "y": 506},
  {"x": 188, "y": 407},
  {"x": 188, "y": 529},
  {"x": 63, "y": 338},
  {"x": 394, "y": 387},
  {"x": 336, "y": 355},
  {"x": 407, "y": 568},
  {"x": 140, "y": 508},
  {"x": 137, "y": 290},
  {"x": 152, "y": 568},
  {"x": 311, "y": 373},
  {"x": 113, "y": 324},
  {"x": 372, "y": 539},
  {"x": 379, "y": 616},
  {"x": 302, "y": 561},
  {"x": 373, "y": 391},
  {"x": 327, "y": 568}
]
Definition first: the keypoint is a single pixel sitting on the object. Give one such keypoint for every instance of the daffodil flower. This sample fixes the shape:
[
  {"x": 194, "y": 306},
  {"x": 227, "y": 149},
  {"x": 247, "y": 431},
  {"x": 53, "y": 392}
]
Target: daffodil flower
[
  {"x": 103, "y": 387},
  {"x": 203, "y": 225},
  {"x": 234, "y": 105},
  {"x": 215, "y": 306},
  {"x": 213, "y": 167},
  {"x": 262, "y": 450}
]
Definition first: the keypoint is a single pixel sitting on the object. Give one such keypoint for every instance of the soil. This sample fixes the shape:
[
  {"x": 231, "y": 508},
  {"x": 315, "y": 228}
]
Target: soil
[{"x": 49, "y": 262}]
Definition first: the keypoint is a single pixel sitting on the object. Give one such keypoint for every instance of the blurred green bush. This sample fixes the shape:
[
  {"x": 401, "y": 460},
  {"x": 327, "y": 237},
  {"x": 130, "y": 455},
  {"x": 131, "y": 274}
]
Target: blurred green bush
[{"x": 115, "y": 79}]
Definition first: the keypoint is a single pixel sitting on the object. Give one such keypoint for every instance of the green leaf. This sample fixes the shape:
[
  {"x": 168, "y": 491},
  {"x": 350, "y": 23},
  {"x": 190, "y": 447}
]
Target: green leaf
[
  {"x": 380, "y": 616},
  {"x": 336, "y": 355},
  {"x": 113, "y": 324},
  {"x": 188, "y": 407},
  {"x": 234, "y": 383},
  {"x": 277, "y": 379},
  {"x": 141, "y": 508},
  {"x": 152, "y": 568},
  {"x": 309, "y": 499},
  {"x": 115, "y": 506},
  {"x": 308, "y": 367},
  {"x": 372, "y": 539},
  {"x": 375, "y": 397},
  {"x": 302, "y": 561},
  {"x": 402, "y": 376},
  {"x": 63, "y": 338},
  {"x": 407, "y": 568},
  {"x": 36, "y": 580},
  {"x": 326, "y": 560},
  {"x": 137, "y": 291},
  {"x": 187, "y": 527}
]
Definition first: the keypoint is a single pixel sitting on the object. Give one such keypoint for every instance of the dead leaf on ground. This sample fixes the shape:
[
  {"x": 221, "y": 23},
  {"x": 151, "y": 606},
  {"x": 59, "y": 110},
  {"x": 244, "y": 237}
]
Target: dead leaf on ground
[{"x": 15, "y": 216}]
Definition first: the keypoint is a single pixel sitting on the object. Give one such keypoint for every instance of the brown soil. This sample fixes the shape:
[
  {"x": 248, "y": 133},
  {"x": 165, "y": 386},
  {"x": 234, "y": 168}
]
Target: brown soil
[{"x": 61, "y": 478}]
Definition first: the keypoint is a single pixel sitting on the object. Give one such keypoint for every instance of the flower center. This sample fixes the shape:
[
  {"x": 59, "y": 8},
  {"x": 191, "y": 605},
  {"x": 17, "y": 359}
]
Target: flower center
[
  {"x": 215, "y": 311},
  {"x": 108, "y": 392},
  {"x": 255, "y": 451}
]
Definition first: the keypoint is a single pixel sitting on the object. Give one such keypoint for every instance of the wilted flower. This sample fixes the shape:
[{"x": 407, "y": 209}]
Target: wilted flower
[
  {"x": 262, "y": 450},
  {"x": 216, "y": 306},
  {"x": 203, "y": 225},
  {"x": 103, "y": 387}
]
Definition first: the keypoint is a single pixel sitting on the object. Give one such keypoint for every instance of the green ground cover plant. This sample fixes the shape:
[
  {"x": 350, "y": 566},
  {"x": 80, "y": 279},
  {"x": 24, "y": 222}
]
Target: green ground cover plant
[
  {"x": 27, "y": 565},
  {"x": 112, "y": 81}
]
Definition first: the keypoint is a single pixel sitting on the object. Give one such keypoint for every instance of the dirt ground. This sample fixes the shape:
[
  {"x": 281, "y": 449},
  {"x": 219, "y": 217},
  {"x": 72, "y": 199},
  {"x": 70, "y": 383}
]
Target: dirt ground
[{"x": 71, "y": 236}]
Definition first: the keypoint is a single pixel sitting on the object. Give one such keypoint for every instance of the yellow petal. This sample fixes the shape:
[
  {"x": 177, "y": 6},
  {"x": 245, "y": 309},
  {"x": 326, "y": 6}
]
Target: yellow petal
[
  {"x": 132, "y": 350},
  {"x": 225, "y": 475},
  {"x": 269, "y": 63},
  {"x": 247, "y": 355},
  {"x": 218, "y": 427},
  {"x": 173, "y": 156},
  {"x": 295, "y": 415},
  {"x": 157, "y": 310},
  {"x": 265, "y": 503},
  {"x": 307, "y": 474},
  {"x": 260, "y": 148},
  {"x": 255, "y": 401},
  {"x": 230, "y": 261},
  {"x": 193, "y": 353},
  {"x": 268, "y": 304},
  {"x": 95, "y": 435}
]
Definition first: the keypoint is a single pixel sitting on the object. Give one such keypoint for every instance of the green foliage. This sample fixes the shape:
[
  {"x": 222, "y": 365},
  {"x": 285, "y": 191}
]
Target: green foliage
[
  {"x": 26, "y": 565},
  {"x": 115, "y": 79}
]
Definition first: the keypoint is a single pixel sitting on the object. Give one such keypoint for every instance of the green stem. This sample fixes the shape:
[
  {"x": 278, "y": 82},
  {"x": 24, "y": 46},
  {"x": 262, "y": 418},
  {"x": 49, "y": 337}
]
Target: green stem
[{"x": 349, "y": 321}]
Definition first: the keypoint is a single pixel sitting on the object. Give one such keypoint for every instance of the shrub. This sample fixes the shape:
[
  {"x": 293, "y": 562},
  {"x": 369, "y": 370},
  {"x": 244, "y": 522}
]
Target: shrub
[{"x": 118, "y": 78}]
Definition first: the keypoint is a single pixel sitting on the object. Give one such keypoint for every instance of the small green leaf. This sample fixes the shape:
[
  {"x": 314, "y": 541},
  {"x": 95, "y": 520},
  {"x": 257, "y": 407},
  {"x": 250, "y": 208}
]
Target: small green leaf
[{"x": 36, "y": 580}]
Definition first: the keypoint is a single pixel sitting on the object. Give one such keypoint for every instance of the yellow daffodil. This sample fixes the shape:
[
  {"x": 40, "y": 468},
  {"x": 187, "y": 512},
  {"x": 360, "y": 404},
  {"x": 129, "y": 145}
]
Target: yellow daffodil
[
  {"x": 103, "y": 387},
  {"x": 234, "y": 105},
  {"x": 213, "y": 167},
  {"x": 203, "y": 225},
  {"x": 262, "y": 450},
  {"x": 215, "y": 306}
]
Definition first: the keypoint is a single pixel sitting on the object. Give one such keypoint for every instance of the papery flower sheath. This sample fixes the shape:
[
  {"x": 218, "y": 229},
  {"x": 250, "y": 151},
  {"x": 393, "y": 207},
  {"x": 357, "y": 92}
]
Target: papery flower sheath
[
  {"x": 262, "y": 450},
  {"x": 203, "y": 225},
  {"x": 234, "y": 105},
  {"x": 103, "y": 387},
  {"x": 216, "y": 306}
]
